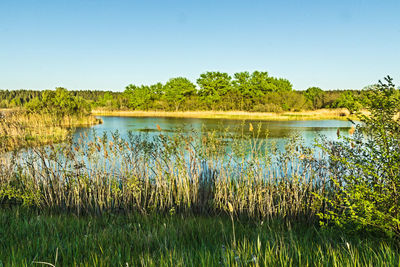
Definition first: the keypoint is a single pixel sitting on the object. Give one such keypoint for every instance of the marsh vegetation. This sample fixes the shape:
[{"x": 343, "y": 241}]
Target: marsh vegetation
[
  {"x": 208, "y": 197},
  {"x": 43, "y": 121}
]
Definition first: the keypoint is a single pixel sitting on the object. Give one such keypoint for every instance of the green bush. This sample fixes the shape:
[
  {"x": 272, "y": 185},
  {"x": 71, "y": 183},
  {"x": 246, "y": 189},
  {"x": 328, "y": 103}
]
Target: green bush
[
  {"x": 350, "y": 101},
  {"x": 365, "y": 167},
  {"x": 60, "y": 102}
]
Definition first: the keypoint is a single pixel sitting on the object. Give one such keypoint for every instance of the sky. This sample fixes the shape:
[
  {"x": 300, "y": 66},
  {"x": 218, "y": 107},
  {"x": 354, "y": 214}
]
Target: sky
[{"x": 106, "y": 45}]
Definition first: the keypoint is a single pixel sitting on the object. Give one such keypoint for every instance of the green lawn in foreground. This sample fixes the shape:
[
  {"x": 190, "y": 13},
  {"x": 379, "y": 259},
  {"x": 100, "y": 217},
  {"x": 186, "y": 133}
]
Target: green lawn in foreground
[{"x": 120, "y": 240}]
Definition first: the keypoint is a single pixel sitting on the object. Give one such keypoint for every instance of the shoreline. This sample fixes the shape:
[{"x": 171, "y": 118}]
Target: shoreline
[{"x": 321, "y": 114}]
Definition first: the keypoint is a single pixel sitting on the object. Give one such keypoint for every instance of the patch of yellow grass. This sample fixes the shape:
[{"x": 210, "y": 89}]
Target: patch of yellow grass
[
  {"x": 21, "y": 129},
  {"x": 321, "y": 114}
]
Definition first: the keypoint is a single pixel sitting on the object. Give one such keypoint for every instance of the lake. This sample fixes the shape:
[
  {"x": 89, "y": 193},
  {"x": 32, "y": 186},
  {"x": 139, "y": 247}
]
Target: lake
[{"x": 277, "y": 130}]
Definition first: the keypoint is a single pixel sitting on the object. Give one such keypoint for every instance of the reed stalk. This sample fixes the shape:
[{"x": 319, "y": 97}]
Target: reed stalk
[{"x": 197, "y": 173}]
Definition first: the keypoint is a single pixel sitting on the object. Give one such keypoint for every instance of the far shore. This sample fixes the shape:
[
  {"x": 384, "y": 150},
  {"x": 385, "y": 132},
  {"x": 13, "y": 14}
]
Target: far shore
[{"x": 321, "y": 114}]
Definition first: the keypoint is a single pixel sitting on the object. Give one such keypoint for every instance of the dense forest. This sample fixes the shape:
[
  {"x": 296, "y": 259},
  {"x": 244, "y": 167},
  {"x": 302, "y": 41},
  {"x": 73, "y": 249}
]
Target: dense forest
[{"x": 246, "y": 91}]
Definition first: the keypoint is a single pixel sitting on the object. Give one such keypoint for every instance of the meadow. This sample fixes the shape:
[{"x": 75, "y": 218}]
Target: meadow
[{"x": 29, "y": 238}]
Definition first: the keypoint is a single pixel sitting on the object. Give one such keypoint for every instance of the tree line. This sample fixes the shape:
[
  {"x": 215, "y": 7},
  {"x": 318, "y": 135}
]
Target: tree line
[
  {"x": 59, "y": 102},
  {"x": 245, "y": 91}
]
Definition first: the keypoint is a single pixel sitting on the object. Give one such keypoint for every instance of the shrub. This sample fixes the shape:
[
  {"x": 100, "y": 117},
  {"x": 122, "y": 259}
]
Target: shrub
[
  {"x": 365, "y": 167},
  {"x": 60, "y": 103},
  {"x": 269, "y": 107}
]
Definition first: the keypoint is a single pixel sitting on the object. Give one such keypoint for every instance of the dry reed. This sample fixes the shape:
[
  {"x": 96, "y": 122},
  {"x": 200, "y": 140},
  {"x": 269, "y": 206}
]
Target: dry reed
[
  {"x": 190, "y": 173},
  {"x": 19, "y": 128},
  {"x": 321, "y": 114}
]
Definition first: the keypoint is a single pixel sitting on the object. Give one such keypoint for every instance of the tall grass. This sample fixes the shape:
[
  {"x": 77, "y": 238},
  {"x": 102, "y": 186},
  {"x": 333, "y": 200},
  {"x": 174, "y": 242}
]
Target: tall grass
[
  {"x": 181, "y": 173},
  {"x": 321, "y": 114},
  {"x": 27, "y": 237},
  {"x": 19, "y": 128}
]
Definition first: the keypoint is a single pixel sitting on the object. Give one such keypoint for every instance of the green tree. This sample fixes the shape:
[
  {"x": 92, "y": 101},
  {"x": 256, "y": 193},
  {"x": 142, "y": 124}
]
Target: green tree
[
  {"x": 177, "y": 90},
  {"x": 108, "y": 100},
  {"x": 139, "y": 97},
  {"x": 59, "y": 102},
  {"x": 15, "y": 102},
  {"x": 156, "y": 91},
  {"x": 282, "y": 85},
  {"x": 365, "y": 168},
  {"x": 254, "y": 88},
  {"x": 260, "y": 83},
  {"x": 314, "y": 94},
  {"x": 213, "y": 86},
  {"x": 350, "y": 101},
  {"x": 242, "y": 85}
]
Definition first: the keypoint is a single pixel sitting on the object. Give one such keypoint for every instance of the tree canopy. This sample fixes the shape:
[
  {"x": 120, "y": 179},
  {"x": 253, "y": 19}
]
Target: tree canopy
[
  {"x": 176, "y": 90},
  {"x": 60, "y": 102},
  {"x": 213, "y": 86},
  {"x": 213, "y": 90}
]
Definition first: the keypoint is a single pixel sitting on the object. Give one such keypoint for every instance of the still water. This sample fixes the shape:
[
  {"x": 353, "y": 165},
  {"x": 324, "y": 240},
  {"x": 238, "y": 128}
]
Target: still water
[{"x": 277, "y": 131}]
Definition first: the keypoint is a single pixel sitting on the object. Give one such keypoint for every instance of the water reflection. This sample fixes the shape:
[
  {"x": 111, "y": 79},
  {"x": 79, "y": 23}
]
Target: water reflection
[{"x": 276, "y": 131}]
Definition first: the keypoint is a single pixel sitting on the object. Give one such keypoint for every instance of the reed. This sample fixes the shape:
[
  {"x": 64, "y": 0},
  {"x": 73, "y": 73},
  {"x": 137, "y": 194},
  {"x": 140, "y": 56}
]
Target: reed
[
  {"x": 19, "y": 128},
  {"x": 196, "y": 173},
  {"x": 321, "y": 114}
]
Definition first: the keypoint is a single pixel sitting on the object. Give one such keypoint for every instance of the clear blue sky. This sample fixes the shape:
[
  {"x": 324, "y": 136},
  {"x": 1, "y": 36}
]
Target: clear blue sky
[{"x": 94, "y": 44}]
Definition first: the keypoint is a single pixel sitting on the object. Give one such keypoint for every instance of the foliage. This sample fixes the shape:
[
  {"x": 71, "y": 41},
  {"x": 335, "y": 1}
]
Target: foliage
[
  {"x": 177, "y": 90},
  {"x": 213, "y": 86},
  {"x": 255, "y": 87},
  {"x": 108, "y": 100},
  {"x": 314, "y": 94},
  {"x": 59, "y": 102},
  {"x": 256, "y": 91},
  {"x": 365, "y": 168},
  {"x": 286, "y": 101},
  {"x": 349, "y": 101},
  {"x": 142, "y": 97}
]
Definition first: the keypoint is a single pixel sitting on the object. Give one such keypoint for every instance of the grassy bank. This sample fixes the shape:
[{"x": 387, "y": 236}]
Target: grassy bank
[
  {"x": 27, "y": 237},
  {"x": 322, "y": 114}
]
